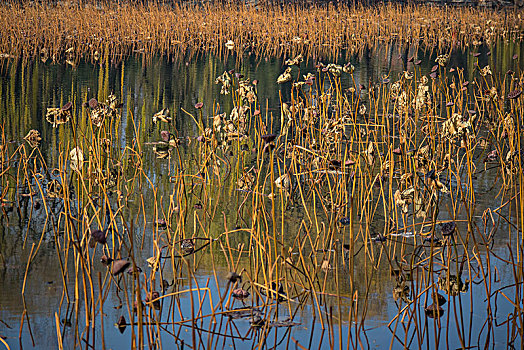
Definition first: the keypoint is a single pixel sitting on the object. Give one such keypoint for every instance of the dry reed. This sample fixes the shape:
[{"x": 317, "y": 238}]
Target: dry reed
[{"x": 97, "y": 31}]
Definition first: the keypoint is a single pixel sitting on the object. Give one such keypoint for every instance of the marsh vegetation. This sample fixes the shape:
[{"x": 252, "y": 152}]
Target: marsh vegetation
[{"x": 260, "y": 177}]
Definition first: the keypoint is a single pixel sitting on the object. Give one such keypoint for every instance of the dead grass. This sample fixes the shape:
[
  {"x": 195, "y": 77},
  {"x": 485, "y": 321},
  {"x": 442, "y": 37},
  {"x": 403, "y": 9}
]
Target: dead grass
[{"x": 69, "y": 32}]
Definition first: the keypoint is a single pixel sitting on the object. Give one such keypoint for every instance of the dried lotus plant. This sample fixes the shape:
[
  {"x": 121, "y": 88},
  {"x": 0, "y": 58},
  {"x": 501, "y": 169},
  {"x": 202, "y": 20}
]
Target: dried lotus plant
[
  {"x": 33, "y": 138},
  {"x": 57, "y": 116},
  {"x": 162, "y": 115},
  {"x": 77, "y": 159}
]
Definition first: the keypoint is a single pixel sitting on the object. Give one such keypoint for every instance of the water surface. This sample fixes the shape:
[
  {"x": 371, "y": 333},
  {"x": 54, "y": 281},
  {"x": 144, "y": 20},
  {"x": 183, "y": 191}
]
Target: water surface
[{"x": 145, "y": 87}]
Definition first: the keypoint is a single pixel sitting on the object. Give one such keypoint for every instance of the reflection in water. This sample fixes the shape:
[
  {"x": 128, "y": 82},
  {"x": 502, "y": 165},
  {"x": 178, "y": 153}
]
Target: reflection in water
[{"x": 361, "y": 286}]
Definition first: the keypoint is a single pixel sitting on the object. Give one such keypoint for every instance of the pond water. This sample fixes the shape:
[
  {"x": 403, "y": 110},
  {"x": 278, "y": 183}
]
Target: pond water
[{"x": 350, "y": 303}]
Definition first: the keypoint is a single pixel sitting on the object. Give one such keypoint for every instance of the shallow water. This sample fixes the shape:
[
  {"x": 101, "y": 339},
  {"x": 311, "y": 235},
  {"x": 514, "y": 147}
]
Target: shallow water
[{"x": 145, "y": 87}]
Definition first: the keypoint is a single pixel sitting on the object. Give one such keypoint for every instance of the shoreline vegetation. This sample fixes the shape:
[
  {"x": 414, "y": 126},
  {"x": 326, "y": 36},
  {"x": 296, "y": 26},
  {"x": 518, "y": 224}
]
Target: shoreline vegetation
[{"x": 95, "y": 31}]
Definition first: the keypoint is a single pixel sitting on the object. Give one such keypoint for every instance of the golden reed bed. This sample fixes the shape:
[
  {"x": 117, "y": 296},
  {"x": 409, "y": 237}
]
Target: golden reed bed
[{"x": 90, "y": 30}]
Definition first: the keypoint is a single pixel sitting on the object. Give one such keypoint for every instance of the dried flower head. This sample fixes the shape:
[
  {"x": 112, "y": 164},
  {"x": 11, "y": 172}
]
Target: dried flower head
[
  {"x": 485, "y": 71},
  {"x": 442, "y": 60}
]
